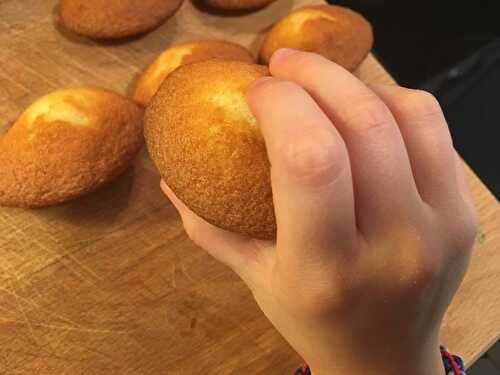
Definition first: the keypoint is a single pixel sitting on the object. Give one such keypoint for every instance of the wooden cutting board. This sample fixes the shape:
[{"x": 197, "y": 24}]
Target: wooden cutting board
[{"x": 109, "y": 283}]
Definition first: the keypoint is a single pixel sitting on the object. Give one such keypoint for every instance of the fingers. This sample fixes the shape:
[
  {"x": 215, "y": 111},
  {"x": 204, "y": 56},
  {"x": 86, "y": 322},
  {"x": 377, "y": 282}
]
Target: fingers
[
  {"x": 238, "y": 252},
  {"x": 428, "y": 141},
  {"x": 310, "y": 172},
  {"x": 383, "y": 183}
]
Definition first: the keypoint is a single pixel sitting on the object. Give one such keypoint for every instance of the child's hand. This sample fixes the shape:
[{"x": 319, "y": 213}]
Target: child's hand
[{"x": 375, "y": 221}]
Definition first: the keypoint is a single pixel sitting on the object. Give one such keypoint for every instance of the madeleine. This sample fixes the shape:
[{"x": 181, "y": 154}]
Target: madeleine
[
  {"x": 208, "y": 147},
  {"x": 66, "y": 144},
  {"x": 337, "y": 33},
  {"x": 182, "y": 54}
]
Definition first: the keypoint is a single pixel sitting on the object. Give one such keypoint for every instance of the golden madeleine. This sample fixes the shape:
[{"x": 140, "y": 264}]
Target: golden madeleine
[
  {"x": 238, "y": 4},
  {"x": 337, "y": 33},
  {"x": 68, "y": 143},
  {"x": 208, "y": 147},
  {"x": 185, "y": 53},
  {"x": 109, "y": 19}
]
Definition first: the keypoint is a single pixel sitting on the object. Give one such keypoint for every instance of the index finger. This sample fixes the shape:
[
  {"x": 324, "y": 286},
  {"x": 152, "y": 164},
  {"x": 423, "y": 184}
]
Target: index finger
[{"x": 310, "y": 172}]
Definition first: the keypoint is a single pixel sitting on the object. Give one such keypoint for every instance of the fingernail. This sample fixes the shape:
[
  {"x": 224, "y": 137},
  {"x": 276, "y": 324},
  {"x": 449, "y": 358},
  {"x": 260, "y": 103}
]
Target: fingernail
[{"x": 281, "y": 54}]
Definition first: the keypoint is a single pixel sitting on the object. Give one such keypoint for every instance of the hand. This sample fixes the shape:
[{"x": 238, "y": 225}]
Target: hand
[{"x": 375, "y": 221}]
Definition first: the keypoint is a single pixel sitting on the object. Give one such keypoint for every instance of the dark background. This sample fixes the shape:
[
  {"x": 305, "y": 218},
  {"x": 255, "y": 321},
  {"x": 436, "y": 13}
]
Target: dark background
[{"x": 452, "y": 49}]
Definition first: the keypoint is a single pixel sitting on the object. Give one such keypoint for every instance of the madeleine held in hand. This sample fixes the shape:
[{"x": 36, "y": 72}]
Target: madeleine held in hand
[{"x": 375, "y": 221}]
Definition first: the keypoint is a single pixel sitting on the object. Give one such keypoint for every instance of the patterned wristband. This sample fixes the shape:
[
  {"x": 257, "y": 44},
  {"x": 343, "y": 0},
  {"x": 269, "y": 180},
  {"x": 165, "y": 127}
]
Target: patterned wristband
[
  {"x": 453, "y": 365},
  {"x": 304, "y": 370}
]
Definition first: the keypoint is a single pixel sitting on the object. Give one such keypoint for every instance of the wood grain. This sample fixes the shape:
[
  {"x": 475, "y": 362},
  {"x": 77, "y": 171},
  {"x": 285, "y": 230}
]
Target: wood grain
[{"x": 109, "y": 283}]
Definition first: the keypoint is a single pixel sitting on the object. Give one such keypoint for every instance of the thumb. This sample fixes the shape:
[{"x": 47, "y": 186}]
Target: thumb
[{"x": 242, "y": 254}]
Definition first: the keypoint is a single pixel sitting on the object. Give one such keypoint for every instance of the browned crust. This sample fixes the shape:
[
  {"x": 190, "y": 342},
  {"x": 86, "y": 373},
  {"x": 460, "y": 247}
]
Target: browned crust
[
  {"x": 45, "y": 161},
  {"x": 208, "y": 147},
  {"x": 185, "y": 53},
  {"x": 106, "y": 19},
  {"x": 238, "y": 4},
  {"x": 342, "y": 35}
]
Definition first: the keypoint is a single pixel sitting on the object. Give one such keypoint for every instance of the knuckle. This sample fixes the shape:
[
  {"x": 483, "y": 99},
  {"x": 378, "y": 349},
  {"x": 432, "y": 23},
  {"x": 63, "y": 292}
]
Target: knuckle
[
  {"x": 425, "y": 271},
  {"x": 471, "y": 219},
  {"x": 369, "y": 114},
  {"x": 335, "y": 296},
  {"x": 318, "y": 299},
  {"x": 420, "y": 273},
  {"x": 332, "y": 293},
  {"x": 317, "y": 159},
  {"x": 472, "y": 231},
  {"x": 415, "y": 268},
  {"x": 473, "y": 224},
  {"x": 419, "y": 104},
  {"x": 465, "y": 229},
  {"x": 460, "y": 224}
]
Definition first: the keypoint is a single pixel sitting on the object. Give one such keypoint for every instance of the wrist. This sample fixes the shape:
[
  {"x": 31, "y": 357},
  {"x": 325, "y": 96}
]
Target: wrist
[
  {"x": 451, "y": 364},
  {"x": 428, "y": 362}
]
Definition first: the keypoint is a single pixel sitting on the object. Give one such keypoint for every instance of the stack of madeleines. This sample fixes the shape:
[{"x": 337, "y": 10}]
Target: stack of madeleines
[{"x": 199, "y": 130}]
